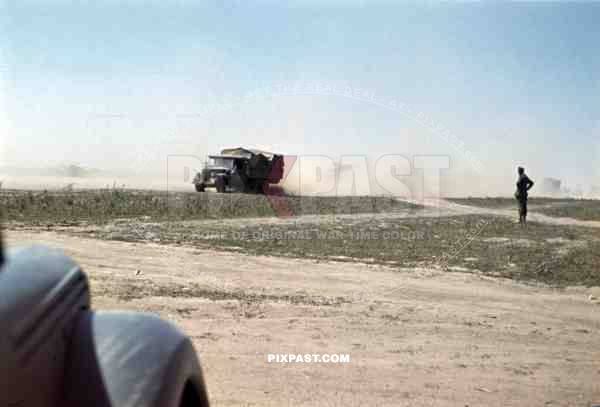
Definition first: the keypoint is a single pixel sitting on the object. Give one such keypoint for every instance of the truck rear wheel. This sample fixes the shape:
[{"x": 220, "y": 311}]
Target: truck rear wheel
[{"x": 200, "y": 187}]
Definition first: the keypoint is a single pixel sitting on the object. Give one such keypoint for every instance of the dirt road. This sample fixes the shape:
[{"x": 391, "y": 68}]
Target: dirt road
[
  {"x": 450, "y": 339},
  {"x": 432, "y": 209}
]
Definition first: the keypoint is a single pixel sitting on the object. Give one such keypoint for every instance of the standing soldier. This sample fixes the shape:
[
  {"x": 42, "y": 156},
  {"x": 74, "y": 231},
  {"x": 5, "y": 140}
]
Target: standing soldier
[{"x": 524, "y": 184}]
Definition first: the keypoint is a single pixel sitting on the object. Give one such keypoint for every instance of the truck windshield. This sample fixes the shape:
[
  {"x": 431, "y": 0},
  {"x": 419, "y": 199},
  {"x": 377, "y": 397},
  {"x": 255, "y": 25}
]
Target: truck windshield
[{"x": 223, "y": 162}]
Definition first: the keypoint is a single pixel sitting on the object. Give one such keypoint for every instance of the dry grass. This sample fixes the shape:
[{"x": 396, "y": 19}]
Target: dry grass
[
  {"x": 70, "y": 207},
  {"x": 551, "y": 254}
]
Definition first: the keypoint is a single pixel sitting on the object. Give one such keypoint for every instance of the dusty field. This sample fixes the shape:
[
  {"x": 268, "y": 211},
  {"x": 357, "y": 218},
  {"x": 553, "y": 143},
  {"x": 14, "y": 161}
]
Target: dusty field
[
  {"x": 419, "y": 332},
  {"x": 455, "y": 237}
]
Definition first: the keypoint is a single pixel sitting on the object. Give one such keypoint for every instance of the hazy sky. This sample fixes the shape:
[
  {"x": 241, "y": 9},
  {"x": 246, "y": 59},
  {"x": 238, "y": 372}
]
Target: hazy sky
[{"x": 516, "y": 83}]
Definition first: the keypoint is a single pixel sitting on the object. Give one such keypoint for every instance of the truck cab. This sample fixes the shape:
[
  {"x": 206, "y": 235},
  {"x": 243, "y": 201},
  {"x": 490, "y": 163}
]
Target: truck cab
[{"x": 217, "y": 166}]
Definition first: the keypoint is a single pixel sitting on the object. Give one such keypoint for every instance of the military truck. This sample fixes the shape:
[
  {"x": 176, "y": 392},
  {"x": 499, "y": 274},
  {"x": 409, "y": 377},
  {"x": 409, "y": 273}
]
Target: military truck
[{"x": 240, "y": 170}]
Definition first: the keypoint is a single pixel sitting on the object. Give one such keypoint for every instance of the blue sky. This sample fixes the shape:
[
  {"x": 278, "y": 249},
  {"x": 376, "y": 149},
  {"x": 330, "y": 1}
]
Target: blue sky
[{"x": 517, "y": 82}]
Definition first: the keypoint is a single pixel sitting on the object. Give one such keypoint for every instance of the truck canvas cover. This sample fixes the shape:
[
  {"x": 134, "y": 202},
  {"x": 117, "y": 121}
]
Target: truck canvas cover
[{"x": 246, "y": 152}]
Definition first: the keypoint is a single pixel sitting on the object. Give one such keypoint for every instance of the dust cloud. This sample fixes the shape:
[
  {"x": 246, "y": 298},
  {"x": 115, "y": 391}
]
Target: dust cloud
[
  {"x": 313, "y": 180},
  {"x": 319, "y": 176}
]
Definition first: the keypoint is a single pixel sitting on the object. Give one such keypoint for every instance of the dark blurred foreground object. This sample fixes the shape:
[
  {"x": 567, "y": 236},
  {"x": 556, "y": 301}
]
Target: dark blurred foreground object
[{"x": 55, "y": 351}]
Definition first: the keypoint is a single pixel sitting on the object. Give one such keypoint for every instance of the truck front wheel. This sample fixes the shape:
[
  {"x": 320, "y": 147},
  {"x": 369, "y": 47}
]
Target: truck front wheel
[{"x": 220, "y": 184}]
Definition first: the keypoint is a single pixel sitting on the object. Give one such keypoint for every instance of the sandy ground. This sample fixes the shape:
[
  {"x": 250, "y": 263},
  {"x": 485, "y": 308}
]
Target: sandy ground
[{"x": 448, "y": 339}]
